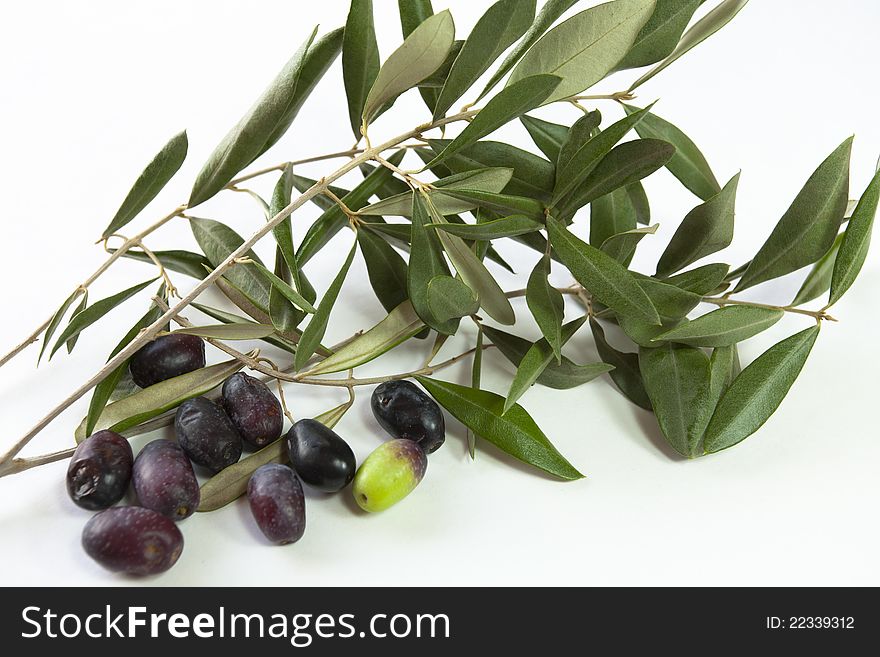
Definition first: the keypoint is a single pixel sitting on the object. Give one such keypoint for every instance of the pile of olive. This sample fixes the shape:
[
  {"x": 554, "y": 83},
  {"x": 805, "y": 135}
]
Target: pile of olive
[{"x": 144, "y": 539}]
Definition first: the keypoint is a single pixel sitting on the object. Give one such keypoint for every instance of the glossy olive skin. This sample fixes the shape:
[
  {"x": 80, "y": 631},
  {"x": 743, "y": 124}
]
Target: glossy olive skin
[
  {"x": 100, "y": 471},
  {"x": 405, "y": 411},
  {"x": 319, "y": 456},
  {"x": 206, "y": 434},
  {"x": 277, "y": 503},
  {"x": 166, "y": 357},
  {"x": 390, "y": 473},
  {"x": 253, "y": 409},
  {"x": 132, "y": 540},
  {"x": 164, "y": 480}
]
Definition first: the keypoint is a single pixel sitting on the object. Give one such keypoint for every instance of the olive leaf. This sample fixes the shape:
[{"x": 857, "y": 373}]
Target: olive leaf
[
  {"x": 605, "y": 278},
  {"x": 514, "y": 432},
  {"x": 700, "y": 280},
  {"x": 672, "y": 304},
  {"x": 398, "y": 326},
  {"x": 502, "y": 24},
  {"x": 229, "y": 331},
  {"x": 232, "y": 318},
  {"x": 807, "y": 229},
  {"x": 706, "y": 229},
  {"x": 425, "y": 262},
  {"x": 610, "y": 215},
  {"x": 451, "y": 298},
  {"x": 269, "y": 118},
  {"x": 412, "y": 14},
  {"x": 856, "y": 239},
  {"x": 334, "y": 219},
  {"x": 283, "y": 234},
  {"x": 512, "y": 102},
  {"x": 360, "y": 59},
  {"x": 156, "y": 399},
  {"x": 510, "y": 226},
  {"x": 546, "y": 305},
  {"x": 55, "y": 321},
  {"x": 580, "y": 132},
  {"x": 622, "y": 246},
  {"x": 476, "y": 375},
  {"x": 676, "y": 378},
  {"x": 550, "y": 11},
  {"x": 639, "y": 200},
  {"x": 548, "y": 137},
  {"x": 231, "y": 483},
  {"x": 688, "y": 164},
  {"x": 420, "y": 54},
  {"x": 661, "y": 34},
  {"x": 626, "y": 374},
  {"x": 312, "y": 335},
  {"x": 82, "y": 320},
  {"x": 437, "y": 79},
  {"x": 818, "y": 281},
  {"x": 585, "y": 48},
  {"x": 154, "y": 177},
  {"x": 242, "y": 302},
  {"x": 283, "y": 288},
  {"x": 83, "y": 304},
  {"x": 492, "y": 179},
  {"x": 724, "y": 327},
  {"x": 758, "y": 390},
  {"x": 501, "y": 203},
  {"x": 386, "y": 269},
  {"x": 183, "y": 262},
  {"x": 473, "y": 272},
  {"x": 720, "y": 16}
]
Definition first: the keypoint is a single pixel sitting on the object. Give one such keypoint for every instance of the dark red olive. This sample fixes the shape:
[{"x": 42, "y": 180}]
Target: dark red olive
[
  {"x": 320, "y": 457},
  {"x": 253, "y": 409},
  {"x": 164, "y": 480},
  {"x": 405, "y": 411},
  {"x": 206, "y": 434},
  {"x": 132, "y": 540},
  {"x": 166, "y": 357},
  {"x": 277, "y": 503},
  {"x": 99, "y": 471}
]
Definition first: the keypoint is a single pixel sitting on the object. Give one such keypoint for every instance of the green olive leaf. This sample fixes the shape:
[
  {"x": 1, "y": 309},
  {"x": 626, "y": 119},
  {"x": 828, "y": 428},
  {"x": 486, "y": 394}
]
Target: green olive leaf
[
  {"x": 232, "y": 318},
  {"x": 437, "y": 79},
  {"x": 237, "y": 331},
  {"x": 83, "y": 304},
  {"x": 180, "y": 261},
  {"x": 88, "y": 316},
  {"x": 856, "y": 240},
  {"x": 622, "y": 246},
  {"x": 661, "y": 33},
  {"x": 807, "y": 229},
  {"x": 546, "y": 305},
  {"x": 706, "y": 229},
  {"x": 758, "y": 390},
  {"x": 412, "y": 14},
  {"x": 386, "y": 269},
  {"x": 514, "y": 432},
  {"x": 548, "y": 137},
  {"x": 283, "y": 235},
  {"x": 580, "y": 132},
  {"x": 283, "y": 288},
  {"x": 420, "y": 54},
  {"x": 700, "y": 280},
  {"x": 605, "y": 278},
  {"x": 360, "y": 59},
  {"x": 154, "y": 177},
  {"x": 451, "y": 298},
  {"x": 688, "y": 164},
  {"x": 510, "y": 226},
  {"x": 818, "y": 281},
  {"x": 676, "y": 378},
  {"x": 155, "y": 400},
  {"x": 425, "y": 262},
  {"x": 231, "y": 483},
  {"x": 476, "y": 375},
  {"x": 269, "y": 118},
  {"x": 512, "y": 102},
  {"x": 242, "y": 302},
  {"x": 639, "y": 200},
  {"x": 311, "y": 337},
  {"x": 502, "y": 24},
  {"x": 626, "y": 374},
  {"x": 611, "y": 215},
  {"x": 672, "y": 304},
  {"x": 724, "y": 327},
  {"x": 585, "y": 48},
  {"x": 398, "y": 326},
  {"x": 720, "y": 16},
  {"x": 55, "y": 321}
]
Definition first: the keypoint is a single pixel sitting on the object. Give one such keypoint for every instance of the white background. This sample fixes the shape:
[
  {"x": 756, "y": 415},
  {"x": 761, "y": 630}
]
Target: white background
[{"x": 88, "y": 93}]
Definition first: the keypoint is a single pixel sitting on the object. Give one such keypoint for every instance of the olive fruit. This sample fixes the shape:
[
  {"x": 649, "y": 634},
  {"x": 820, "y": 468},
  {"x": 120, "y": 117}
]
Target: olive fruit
[
  {"x": 319, "y": 456},
  {"x": 389, "y": 474},
  {"x": 253, "y": 409},
  {"x": 206, "y": 434},
  {"x": 166, "y": 357},
  {"x": 277, "y": 503},
  {"x": 404, "y": 411},
  {"x": 132, "y": 540},
  {"x": 99, "y": 471},
  {"x": 164, "y": 480}
]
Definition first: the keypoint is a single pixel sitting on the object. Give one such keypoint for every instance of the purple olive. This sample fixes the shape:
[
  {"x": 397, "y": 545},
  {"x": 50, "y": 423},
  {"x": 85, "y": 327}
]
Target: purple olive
[
  {"x": 404, "y": 411},
  {"x": 253, "y": 409},
  {"x": 132, "y": 540},
  {"x": 99, "y": 471},
  {"x": 206, "y": 434},
  {"x": 277, "y": 503},
  {"x": 164, "y": 480},
  {"x": 166, "y": 357}
]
